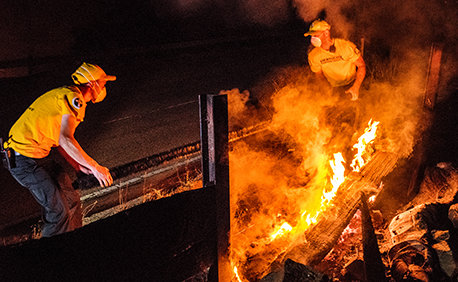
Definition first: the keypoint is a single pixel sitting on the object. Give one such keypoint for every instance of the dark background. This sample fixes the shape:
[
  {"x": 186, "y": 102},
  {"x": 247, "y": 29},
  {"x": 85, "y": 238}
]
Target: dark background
[{"x": 38, "y": 29}]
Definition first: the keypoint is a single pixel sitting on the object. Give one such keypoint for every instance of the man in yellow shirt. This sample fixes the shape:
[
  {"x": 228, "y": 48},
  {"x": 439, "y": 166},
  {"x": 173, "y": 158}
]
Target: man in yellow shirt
[
  {"x": 336, "y": 60},
  {"x": 51, "y": 122}
]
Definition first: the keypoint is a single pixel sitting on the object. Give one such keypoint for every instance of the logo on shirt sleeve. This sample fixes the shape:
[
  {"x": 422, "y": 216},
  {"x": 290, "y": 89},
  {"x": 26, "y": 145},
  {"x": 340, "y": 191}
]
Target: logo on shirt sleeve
[{"x": 76, "y": 102}]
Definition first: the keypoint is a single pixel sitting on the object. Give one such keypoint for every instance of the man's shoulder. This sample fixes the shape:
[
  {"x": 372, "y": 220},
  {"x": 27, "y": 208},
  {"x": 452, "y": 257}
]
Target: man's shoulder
[
  {"x": 68, "y": 97},
  {"x": 315, "y": 52},
  {"x": 74, "y": 98},
  {"x": 348, "y": 50},
  {"x": 343, "y": 43},
  {"x": 64, "y": 91}
]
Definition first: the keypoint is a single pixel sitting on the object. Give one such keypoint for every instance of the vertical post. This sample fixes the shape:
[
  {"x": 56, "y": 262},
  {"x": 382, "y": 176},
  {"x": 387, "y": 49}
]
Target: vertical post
[
  {"x": 431, "y": 89},
  {"x": 215, "y": 169},
  {"x": 205, "y": 118},
  {"x": 374, "y": 267},
  {"x": 432, "y": 78}
]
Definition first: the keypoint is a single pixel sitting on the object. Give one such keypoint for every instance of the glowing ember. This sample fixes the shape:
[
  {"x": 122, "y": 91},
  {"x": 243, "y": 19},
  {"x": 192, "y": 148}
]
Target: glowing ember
[
  {"x": 361, "y": 147},
  {"x": 372, "y": 199},
  {"x": 353, "y": 227}
]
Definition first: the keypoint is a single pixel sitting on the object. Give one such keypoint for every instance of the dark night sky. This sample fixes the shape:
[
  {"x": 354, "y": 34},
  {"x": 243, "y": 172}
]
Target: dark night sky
[{"x": 53, "y": 28}]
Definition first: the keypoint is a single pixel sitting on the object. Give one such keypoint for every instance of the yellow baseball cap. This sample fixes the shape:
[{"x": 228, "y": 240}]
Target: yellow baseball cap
[
  {"x": 317, "y": 26},
  {"x": 89, "y": 72}
]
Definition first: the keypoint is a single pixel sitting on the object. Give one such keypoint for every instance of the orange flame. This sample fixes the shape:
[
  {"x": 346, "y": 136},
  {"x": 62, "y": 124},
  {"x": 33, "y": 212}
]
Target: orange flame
[
  {"x": 236, "y": 272},
  {"x": 337, "y": 179},
  {"x": 285, "y": 227},
  {"x": 361, "y": 147},
  {"x": 372, "y": 199}
]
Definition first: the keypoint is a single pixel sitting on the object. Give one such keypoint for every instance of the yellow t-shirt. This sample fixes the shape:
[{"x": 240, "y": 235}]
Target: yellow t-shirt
[
  {"x": 38, "y": 128},
  {"x": 338, "y": 67}
]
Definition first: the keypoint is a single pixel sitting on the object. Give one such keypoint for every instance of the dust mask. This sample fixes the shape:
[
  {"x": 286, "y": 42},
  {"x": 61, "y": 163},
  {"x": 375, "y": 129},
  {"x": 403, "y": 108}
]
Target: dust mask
[
  {"x": 102, "y": 94},
  {"x": 316, "y": 41}
]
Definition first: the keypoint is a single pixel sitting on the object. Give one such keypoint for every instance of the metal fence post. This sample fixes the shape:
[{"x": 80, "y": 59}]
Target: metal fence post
[{"x": 215, "y": 170}]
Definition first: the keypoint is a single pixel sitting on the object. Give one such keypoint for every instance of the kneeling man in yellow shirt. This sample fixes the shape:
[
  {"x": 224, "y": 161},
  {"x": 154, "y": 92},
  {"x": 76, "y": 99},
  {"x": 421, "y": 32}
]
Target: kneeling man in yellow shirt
[{"x": 51, "y": 122}]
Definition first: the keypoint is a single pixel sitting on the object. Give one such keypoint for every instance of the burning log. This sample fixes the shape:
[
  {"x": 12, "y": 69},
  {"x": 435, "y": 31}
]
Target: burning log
[{"x": 321, "y": 238}]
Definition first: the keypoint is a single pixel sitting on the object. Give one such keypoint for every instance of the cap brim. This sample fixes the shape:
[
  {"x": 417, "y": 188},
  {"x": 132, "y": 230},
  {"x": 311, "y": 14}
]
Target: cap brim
[
  {"x": 110, "y": 78},
  {"x": 311, "y": 33}
]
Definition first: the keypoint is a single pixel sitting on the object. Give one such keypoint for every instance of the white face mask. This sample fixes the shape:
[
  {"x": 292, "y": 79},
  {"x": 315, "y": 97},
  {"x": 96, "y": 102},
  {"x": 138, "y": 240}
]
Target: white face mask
[
  {"x": 316, "y": 41},
  {"x": 102, "y": 94}
]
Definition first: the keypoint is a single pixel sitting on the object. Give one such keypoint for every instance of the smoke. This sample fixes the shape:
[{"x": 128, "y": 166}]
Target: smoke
[
  {"x": 230, "y": 12},
  {"x": 257, "y": 11},
  {"x": 399, "y": 23},
  {"x": 398, "y": 105},
  {"x": 331, "y": 11}
]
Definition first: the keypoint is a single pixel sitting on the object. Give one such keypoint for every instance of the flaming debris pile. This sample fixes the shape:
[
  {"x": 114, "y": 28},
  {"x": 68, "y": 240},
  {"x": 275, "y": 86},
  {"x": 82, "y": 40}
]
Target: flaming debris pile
[{"x": 285, "y": 182}]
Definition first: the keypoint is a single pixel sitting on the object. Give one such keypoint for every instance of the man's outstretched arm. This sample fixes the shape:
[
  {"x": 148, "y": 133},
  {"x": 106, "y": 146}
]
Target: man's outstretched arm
[
  {"x": 360, "y": 74},
  {"x": 68, "y": 142}
]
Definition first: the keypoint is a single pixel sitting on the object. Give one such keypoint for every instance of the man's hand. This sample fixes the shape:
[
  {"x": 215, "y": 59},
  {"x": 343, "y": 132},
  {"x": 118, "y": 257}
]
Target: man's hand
[
  {"x": 73, "y": 149},
  {"x": 360, "y": 74},
  {"x": 103, "y": 175},
  {"x": 354, "y": 91}
]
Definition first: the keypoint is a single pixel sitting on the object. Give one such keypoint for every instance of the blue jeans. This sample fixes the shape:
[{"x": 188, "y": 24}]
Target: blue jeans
[{"x": 51, "y": 187}]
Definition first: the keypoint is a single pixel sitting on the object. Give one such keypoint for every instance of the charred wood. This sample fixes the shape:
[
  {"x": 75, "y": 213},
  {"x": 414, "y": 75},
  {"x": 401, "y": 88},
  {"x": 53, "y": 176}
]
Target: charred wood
[
  {"x": 295, "y": 272},
  {"x": 375, "y": 269}
]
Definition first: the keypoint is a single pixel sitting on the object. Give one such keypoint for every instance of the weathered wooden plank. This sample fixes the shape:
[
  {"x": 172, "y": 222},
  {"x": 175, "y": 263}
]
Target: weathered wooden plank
[{"x": 321, "y": 238}]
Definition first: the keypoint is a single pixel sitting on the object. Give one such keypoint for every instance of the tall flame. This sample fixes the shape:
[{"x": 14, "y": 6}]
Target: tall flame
[
  {"x": 237, "y": 276},
  {"x": 361, "y": 147},
  {"x": 309, "y": 218},
  {"x": 337, "y": 179}
]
